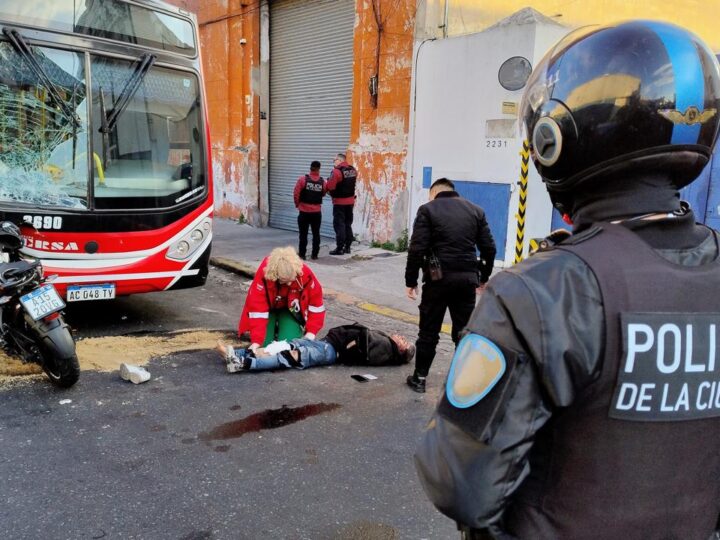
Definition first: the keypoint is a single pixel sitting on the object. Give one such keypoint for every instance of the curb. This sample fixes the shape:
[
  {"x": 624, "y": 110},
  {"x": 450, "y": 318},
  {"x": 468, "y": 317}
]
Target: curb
[
  {"x": 236, "y": 267},
  {"x": 247, "y": 270}
]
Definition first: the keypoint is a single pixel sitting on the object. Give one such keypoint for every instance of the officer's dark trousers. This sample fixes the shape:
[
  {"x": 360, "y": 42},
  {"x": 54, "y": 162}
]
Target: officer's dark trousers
[
  {"x": 438, "y": 296},
  {"x": 342, "y": 223},
  {"x": 311, "y": 220}
]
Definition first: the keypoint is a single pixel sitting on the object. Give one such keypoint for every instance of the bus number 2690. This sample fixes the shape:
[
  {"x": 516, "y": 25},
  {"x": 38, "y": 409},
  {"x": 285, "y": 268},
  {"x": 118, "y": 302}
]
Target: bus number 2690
[{"x": 44, "y": 222}]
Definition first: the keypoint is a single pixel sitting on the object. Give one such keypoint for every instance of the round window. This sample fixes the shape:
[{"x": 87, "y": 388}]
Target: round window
[{"x": 514, "y": 73}]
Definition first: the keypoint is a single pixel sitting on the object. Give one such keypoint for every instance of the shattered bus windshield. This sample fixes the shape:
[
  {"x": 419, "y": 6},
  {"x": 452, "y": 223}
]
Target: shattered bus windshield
[
  {"x": 43, "y": 150},
  {"x": 149, "y": 156}
]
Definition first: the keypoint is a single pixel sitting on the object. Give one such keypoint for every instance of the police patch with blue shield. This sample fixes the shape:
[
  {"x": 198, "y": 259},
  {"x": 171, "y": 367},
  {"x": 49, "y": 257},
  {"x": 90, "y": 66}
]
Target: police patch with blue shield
[
  {"x": 476, "y": 367},
  {"x": 482, "y": 378}
]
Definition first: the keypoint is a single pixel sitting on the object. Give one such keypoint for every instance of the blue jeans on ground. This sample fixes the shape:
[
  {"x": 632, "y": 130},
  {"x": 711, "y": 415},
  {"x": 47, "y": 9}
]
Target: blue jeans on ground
[{"x": 312, "y": 353}]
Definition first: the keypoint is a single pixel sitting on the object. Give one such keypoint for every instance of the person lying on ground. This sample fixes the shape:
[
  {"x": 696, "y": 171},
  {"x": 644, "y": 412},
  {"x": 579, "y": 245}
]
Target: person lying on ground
[
  {"x": 284, "y": 302},
  {"x": 351, "y": 344}
]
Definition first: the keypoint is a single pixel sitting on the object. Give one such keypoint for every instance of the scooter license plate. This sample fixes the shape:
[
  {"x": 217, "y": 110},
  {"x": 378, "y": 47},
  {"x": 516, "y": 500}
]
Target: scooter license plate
[{"x": 42, "y": 302}]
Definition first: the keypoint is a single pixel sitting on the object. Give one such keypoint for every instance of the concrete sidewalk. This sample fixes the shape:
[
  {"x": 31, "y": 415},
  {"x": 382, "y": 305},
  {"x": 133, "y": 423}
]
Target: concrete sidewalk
[{"x": 371, "y": 278}]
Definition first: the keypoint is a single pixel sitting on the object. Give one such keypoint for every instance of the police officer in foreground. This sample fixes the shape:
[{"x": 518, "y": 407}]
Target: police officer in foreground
[
  {"x": 583, "y": 402},
  {"x": 446, "y": 233}
]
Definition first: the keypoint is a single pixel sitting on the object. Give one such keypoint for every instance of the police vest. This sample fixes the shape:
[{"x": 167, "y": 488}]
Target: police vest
[
  {"x": 637, "y": 454},
  {"x": 345, "y": 187},
  {"x": 312, "y": 193}
]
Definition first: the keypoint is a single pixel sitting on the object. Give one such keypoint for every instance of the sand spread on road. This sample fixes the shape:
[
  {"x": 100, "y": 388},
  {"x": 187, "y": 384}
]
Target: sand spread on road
[{"x": 107, "y": 353}]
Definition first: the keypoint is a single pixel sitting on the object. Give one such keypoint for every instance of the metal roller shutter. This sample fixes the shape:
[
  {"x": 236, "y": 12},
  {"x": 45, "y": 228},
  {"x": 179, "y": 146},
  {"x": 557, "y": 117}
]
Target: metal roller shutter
[{"x": 311, "y": 80}]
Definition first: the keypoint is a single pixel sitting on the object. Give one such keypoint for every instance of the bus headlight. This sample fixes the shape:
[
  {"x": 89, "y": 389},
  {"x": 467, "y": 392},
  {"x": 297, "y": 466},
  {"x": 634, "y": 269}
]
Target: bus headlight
[
  {"x": 189, "y": 244},
  {"x": 182, "y": 248}
]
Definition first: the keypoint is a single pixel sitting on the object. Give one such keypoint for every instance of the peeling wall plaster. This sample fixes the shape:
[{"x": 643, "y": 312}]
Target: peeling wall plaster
[{"x": 379, "y": 136}]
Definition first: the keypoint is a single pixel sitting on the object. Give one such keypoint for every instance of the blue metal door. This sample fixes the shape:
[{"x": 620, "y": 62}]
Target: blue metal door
[
  {"x": 711, "y": 212},
  {"x": 495, "y": 200}
]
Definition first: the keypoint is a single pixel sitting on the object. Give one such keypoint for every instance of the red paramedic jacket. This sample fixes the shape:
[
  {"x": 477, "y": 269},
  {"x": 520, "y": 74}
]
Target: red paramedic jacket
[{"x": 304, "y": 294}]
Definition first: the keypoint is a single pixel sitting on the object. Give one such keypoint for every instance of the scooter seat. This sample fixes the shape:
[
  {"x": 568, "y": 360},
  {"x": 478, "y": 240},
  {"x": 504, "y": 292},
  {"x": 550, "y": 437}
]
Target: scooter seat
[{"x": 12, "y": 270}]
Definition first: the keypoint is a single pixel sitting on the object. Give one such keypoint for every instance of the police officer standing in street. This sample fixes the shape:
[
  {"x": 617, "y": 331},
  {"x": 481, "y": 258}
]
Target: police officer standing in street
[
  {"x": 308, "y": 195},
  {"x": 341, "y": 186},
  {"x": 584, "y": 402},
  {"x": 446, "y": 233}
]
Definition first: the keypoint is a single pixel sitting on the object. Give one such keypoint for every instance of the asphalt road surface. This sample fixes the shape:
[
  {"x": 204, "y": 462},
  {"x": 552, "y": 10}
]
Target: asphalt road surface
[{"x": 197, "y": 453}]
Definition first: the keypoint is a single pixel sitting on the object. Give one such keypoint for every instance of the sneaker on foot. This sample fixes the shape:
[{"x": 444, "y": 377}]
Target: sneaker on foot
[
  {"x": 240, "y": 362},
  {"x": 347, "y": 249},
  {"x": 233, "y": 366},
  {"x": 417, "y": 384},
  {"x": 338, "y": 251},
  {"x": 314, "y": 257},
  {"x": 134, "y": 374},
  {"x": 226, "y": 351}
]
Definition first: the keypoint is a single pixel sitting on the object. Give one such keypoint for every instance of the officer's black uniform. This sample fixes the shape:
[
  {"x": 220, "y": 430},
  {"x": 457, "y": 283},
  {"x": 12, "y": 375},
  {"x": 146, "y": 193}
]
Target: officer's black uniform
[
  {"x": 602, "y": 417},
  {"x": 451, "y": 228}
]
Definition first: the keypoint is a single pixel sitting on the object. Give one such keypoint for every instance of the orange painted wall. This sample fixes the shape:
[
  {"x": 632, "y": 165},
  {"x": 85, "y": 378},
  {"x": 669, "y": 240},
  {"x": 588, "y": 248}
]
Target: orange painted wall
[
  {"x": 193, "y": 6},
  {"x": 379, "y": 135},
  {"x": 232, "y": 103}
]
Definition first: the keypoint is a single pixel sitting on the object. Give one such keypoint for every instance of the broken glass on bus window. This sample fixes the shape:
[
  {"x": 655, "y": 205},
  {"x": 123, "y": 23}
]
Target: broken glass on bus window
[{"x": 43, "y": 148}]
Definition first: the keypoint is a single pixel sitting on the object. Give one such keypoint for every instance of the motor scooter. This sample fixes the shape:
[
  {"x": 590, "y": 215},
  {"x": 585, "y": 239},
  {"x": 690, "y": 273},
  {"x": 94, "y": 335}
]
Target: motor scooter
[{"x": 31, "y": 322}]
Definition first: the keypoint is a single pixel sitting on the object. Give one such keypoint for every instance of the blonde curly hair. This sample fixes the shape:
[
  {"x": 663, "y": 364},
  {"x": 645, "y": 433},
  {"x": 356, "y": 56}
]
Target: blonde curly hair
[{"x": 283, "y": 265}]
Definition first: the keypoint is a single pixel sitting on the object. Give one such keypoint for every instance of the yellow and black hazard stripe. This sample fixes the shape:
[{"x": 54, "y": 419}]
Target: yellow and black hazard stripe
[
  {"x": 522, "y": 203},
  {"x": 534, "y": 246}
]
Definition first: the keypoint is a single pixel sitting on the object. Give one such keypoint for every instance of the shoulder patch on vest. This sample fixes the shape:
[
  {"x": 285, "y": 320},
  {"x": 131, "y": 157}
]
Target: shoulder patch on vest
[
  {"x": 476, "y": 368},
  {"x": 550, "y": 241}
]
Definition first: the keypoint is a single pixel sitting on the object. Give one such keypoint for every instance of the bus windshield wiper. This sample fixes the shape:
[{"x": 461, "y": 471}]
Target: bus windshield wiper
[
  {"x": 24, "y": 50},
  {"x": 142, "y": 66}
]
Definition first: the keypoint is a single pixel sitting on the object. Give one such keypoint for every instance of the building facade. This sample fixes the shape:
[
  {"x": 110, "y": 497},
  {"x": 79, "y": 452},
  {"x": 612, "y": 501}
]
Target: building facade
[{"x": 291, "y": 81}]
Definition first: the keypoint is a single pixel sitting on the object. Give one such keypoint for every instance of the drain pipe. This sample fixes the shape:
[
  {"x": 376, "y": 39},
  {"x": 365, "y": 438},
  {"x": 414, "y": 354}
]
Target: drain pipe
[
  {"x": 445, "y": 18},
  {"x": 411, "y": 154}
]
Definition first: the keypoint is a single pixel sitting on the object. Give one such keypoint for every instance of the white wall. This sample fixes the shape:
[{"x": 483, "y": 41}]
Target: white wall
[{"x": 457, "y": 99}]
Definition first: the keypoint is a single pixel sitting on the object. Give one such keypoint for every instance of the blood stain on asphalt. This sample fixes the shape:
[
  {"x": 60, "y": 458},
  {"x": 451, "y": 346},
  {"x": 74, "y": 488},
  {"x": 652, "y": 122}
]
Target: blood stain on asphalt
[{"x": 269, "y": 419}]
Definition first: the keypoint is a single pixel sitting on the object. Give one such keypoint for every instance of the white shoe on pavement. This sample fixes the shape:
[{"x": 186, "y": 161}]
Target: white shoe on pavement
[
  {"x": 134, "y": 374},
  {"x": 240, "y": 361},
  {"x": 233, "y": 366}
]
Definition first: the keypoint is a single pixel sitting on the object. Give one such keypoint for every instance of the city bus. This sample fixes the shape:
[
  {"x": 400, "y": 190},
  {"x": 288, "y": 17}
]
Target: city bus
[{"x": 104, "y": 145}]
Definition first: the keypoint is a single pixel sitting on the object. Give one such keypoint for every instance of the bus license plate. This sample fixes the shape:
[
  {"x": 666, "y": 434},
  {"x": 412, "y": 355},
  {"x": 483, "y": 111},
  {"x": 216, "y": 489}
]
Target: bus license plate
[
  {"x": 79, "y": 293},
  {"x": 42, "y": 302}
]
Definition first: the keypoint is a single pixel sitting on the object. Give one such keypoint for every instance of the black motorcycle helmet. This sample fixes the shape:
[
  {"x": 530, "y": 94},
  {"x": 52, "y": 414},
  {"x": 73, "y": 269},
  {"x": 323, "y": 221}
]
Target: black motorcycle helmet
[
  {"x": 10, "y": 237},
  {"x": 641, "y": 95}
]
